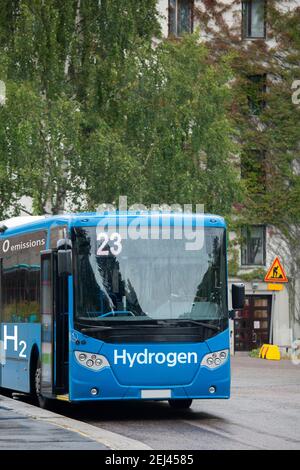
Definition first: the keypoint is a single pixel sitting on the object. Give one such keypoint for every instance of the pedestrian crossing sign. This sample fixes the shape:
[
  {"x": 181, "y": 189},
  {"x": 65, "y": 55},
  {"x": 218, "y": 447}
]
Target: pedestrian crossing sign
[{"x": 276, "y": 272}]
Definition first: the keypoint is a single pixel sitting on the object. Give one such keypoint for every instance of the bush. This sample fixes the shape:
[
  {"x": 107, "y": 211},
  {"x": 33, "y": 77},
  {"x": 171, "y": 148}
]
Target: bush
[{"x": 254, "y": 352}]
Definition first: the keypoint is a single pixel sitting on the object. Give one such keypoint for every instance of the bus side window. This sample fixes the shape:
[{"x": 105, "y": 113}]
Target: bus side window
[
  {"x": 20, "y": 286},
  {"x": 9, "y": 288}
]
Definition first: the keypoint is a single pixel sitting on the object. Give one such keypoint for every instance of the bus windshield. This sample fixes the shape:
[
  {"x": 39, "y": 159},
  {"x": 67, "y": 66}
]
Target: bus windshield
[{"x": 155, "y": 280}]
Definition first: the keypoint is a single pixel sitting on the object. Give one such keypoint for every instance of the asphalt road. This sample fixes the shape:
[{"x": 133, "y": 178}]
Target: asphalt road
[{"x": 263, "y": 413}]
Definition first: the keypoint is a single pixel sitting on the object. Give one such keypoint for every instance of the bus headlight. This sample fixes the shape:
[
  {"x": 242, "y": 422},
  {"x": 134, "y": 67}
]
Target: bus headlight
[
  {"x": 216, "y": 359},
  {"x": 91, "y": 361}
]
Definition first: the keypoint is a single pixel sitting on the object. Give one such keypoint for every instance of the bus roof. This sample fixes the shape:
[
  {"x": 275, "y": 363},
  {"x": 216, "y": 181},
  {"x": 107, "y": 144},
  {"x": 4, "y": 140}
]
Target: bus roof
[{"x": 31, "y": 223}]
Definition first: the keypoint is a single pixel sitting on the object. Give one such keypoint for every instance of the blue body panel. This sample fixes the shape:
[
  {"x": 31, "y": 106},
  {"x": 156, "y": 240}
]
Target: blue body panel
[
  {"x": 118, "y": 381},
  {"x": 121, "y": 381},
  {"x": 16, "y": 358}
]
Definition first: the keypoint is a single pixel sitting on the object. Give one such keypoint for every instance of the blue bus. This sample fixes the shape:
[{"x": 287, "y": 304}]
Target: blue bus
[{"x": 115, "y": 306}]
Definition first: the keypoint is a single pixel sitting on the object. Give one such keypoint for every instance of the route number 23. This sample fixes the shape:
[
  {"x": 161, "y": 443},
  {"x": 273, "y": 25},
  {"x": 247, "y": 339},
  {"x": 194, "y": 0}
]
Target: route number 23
[{"x": 104, "y": 248}]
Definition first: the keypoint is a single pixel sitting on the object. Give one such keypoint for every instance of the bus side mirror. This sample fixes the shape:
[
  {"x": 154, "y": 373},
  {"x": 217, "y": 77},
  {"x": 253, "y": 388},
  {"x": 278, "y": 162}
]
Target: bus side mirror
[
  {"x": 238, "y": 296},
  {"x": 64, "y": 262}
]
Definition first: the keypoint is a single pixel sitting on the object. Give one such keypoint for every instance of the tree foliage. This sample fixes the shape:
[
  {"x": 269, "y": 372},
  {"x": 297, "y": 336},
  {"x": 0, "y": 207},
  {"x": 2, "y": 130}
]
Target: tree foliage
[
  {"x": 174, "y": 125},
  {"x": 62, "y": 63},
  {"x": 94, "y": 111}
]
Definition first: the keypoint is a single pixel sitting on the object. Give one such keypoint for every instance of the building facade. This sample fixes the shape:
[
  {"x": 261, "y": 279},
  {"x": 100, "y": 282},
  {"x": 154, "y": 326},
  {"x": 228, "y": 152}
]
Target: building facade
[{"x": 266, "y": 316}]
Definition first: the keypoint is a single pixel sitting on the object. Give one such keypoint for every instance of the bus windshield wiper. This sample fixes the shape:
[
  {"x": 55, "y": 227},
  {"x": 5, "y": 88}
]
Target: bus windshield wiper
[
  {"x": 127, "y": 325},
  {"x": 196, "y": 322},
  {"x": 159, "y": 323},
  {"x": 96, "y": 328}
]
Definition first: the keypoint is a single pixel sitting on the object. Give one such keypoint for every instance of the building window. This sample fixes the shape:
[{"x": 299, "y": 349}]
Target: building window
[
  {"x": 254, "y": 19},
  {"x": 180, "y": 17},
  {"x": 254, "y": 170},
  {"x": 254, "y": 245},
  {"x": 256, "y": 93}
]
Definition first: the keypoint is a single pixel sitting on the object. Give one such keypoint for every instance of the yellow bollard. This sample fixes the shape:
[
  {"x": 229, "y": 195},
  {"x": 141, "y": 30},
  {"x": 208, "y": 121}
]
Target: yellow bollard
[
  {"x": 263, "y": 350},
  {"x": 273, "y": 353},
  {"x": 270, "y": 352}
]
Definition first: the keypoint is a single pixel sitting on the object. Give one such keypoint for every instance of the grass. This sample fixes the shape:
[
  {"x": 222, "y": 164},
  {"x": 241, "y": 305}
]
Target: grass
[{"x": 254, "y": 352}]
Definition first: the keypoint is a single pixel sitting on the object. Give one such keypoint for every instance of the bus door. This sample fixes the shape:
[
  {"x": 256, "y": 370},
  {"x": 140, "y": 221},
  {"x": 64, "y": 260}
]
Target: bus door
[
  {"x": 54, "y": 338},
  {"x": 2, "y": 355}
]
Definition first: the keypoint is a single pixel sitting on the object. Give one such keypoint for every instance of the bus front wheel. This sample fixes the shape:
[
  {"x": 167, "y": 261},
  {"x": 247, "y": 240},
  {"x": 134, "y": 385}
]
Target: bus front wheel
[
  {"x": 181, "y": 404},
  {"x": 42, "y": 401}
]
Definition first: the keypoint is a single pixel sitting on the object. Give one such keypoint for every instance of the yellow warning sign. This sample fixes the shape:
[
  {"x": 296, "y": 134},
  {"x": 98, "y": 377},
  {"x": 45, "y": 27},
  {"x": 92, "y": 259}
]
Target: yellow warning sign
[
  {"x": 276, "y": 272},
  {"x": 275, "y": 286}
]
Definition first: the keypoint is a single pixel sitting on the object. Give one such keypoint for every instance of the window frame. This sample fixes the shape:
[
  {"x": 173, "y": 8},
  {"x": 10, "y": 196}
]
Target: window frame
[
  {"x": 256, "y": 157},
  {"x": 245, "y": 262},
  {"x": 247, "y": 20},
  {"x": 176, "y": 34},
  {"x": 261, "y": 90}
]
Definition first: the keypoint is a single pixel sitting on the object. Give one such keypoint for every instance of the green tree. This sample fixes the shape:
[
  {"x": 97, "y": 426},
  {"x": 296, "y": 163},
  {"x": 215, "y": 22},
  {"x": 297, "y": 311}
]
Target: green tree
[
  {"x": 62, "y": 63},
  {"x": 95, "y": 111},
  {"x": 173, "y": 121}
]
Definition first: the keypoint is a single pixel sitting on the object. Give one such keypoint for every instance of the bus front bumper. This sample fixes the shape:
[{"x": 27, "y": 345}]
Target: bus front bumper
[{"x": 207, "y": 384}]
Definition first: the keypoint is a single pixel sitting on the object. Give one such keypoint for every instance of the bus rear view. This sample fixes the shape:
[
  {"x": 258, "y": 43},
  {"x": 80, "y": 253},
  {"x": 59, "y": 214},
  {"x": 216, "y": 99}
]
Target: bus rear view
[{"x": 134, "y": 306}]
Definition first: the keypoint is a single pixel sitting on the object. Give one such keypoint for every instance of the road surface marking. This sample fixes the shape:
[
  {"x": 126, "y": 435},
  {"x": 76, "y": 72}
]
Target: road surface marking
[{"x": 223, "y": 434}]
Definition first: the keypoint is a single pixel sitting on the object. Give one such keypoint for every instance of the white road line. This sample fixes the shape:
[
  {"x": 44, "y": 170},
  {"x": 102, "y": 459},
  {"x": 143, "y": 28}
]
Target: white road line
[
  {"x": 222, "y": 434},
  {"x": 110, "y": 439}
]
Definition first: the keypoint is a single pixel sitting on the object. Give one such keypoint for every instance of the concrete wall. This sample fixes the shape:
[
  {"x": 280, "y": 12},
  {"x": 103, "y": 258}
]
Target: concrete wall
[
  {"x": 232, "y": 13},
  {"x": 281, "y": 327},
  {"x": 280, "y": 310}
]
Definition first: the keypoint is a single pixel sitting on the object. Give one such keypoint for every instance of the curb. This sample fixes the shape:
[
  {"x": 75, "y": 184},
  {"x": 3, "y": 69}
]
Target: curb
[{"x": 109, "y": 439}]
